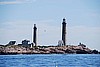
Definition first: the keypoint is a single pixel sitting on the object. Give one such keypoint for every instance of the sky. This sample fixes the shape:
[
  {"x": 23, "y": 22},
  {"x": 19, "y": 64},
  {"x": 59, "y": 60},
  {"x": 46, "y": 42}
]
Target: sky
[{"x": 17, "y": 18}]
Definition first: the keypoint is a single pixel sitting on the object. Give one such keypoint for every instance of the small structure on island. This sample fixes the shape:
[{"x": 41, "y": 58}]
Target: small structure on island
[
  {"x": 11, "y": 43},
  {"x": 64, "y": 31},
  {"x": 35, "y": 35},
  {"x": 25, "y": 43},
  {"x": 82, "y": 45},
  {"x": 60, "y": 43}
]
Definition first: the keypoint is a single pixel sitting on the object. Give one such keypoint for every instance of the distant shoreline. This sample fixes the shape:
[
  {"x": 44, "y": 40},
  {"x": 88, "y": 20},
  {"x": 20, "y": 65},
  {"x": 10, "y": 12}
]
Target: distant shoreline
[{"x": 69, "y": 49}]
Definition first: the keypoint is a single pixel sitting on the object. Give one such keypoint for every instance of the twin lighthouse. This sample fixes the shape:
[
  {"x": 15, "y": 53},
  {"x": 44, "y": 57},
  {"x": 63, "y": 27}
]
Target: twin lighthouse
[{"x": 63, "y": 33}]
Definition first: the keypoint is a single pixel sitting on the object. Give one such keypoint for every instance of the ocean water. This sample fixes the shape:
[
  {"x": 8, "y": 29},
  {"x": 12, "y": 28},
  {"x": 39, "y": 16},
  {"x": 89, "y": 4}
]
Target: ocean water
[{"x": 50, "y": 60}]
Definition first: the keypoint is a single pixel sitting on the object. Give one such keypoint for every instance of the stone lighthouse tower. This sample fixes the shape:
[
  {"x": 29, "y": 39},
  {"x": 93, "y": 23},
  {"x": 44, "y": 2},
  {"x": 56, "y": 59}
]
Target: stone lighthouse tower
[
  {"x": 35, "y": 35},
  {"x": 64, "y": 31}
]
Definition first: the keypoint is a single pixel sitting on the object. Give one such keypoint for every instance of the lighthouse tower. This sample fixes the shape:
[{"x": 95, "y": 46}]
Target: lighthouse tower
[
  {"x": 35, "y": 35},
  {"x": 64, "y": 31}
]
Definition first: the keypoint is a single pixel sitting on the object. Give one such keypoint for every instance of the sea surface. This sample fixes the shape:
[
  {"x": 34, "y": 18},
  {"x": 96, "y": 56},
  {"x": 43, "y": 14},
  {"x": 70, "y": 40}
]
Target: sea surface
[{"x": 50, "y": 60}]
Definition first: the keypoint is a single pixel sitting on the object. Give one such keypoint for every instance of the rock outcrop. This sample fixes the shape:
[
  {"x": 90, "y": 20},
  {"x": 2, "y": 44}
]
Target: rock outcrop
[{"x": 15, "y": 49}]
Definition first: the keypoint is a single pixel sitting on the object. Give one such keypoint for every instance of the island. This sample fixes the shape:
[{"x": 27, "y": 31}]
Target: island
[
  {"x": 69, "y": 49},
  {"x": 34, "y": 48}
]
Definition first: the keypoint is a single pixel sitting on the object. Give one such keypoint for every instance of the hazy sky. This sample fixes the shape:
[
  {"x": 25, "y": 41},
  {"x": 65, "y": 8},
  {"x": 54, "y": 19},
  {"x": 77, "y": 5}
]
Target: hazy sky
[{"x": 82, "y": 16}]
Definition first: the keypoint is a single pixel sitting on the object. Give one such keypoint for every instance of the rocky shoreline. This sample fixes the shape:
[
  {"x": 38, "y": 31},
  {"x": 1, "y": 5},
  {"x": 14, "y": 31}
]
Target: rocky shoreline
[{"x": 15, "y": 49}]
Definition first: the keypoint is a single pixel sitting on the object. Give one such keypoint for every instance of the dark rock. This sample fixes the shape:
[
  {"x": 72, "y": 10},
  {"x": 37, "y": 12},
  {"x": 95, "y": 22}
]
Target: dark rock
[
  {"x": 81, "y": 52},
  {"x": 95, "y": 52},
  {"x": 99, "y": 52},
  {"x": 70, "y": 51}
]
